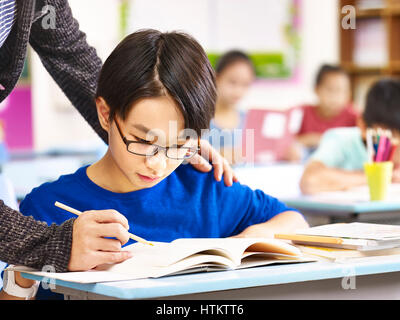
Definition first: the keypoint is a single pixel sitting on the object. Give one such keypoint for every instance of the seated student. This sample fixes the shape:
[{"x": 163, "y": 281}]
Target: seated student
[
  {"x": 338, "y": 162},
  {"x": 156, "y": 92},
  {"x": 332, "y": 87},
  {"x": 234, "y": 76}
]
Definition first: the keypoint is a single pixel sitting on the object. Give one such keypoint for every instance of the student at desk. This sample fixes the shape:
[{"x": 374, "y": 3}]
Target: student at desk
[
  {"x": 234, "y": 76},
  {"x": 338, "y": 162},
  {"x": 334, "y": 109},
  {"x": 156, "y": 92}
]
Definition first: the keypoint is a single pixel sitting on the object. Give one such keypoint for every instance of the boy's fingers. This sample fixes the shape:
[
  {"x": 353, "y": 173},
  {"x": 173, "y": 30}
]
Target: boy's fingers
[
  {"x": 110, "y": 257},
  {"x": 113, "y": 230},
  {"x": 108, "y": 216},
  {"x": 112, "y": 245}
]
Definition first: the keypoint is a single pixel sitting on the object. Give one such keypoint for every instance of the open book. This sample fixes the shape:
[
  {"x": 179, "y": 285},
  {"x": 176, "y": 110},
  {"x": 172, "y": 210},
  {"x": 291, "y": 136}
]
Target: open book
[{"x": 186, "y": 256}]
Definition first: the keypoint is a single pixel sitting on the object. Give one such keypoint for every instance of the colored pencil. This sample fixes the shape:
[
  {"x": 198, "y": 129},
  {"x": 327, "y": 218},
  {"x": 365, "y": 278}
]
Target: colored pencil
[
  {"x": 381, "y": 148},
  {"x": 370, "y": 146}
]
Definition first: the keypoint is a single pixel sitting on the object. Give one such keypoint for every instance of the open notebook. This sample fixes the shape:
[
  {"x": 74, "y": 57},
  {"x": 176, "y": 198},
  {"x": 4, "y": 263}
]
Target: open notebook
[{"x": 186, "y": 256}]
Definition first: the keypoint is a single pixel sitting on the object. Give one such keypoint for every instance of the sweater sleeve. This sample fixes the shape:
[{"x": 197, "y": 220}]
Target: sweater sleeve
[
  {"x": 26, "y": 241},
  {"x": 73, "y": 64}
]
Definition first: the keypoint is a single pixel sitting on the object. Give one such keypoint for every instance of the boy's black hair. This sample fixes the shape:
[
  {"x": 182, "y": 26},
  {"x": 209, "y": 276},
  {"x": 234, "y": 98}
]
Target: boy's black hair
[
  {"x": 326, "y": 69},
  {"x": 148, "y": 64},
  {"x": 230, "y": 58},
  {"x": 383, "y": 104}
]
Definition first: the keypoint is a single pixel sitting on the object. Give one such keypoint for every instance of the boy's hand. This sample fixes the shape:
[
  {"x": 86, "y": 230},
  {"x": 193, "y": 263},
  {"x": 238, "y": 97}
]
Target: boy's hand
[
  {"x": 90, "y": 248},
  {"x": 221, "y": 166},
  {"x": 256, "y": 231}
]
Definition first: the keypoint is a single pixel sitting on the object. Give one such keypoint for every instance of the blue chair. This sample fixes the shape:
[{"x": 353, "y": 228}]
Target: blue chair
[{"x": 7, "y": 194}]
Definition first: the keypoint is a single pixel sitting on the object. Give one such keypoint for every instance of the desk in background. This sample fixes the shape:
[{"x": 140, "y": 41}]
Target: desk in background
[
  {"x": 350, "y": 206},
  {"x": 282, "y": 182},
  {"x": 367, "y": 278}
]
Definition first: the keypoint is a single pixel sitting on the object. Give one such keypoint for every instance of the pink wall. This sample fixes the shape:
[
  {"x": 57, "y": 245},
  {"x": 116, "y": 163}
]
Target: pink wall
[{"x": 16, "y": 116}]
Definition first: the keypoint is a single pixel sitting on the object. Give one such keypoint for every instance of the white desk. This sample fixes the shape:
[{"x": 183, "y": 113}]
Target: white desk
[
  {"x": 367, "y": 278},
  {"x": 278, "y": 180},
  {"x": 282, "y": 181}
]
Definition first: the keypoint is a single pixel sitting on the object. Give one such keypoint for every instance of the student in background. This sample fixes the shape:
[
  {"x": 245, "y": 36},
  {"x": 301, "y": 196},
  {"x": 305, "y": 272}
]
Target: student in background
[
  {"x": 338, "y": 162},
  {"x": 334, "y": 109},
  {"x": 234, "y": 76},
  {"x": 142, "y": 175}
]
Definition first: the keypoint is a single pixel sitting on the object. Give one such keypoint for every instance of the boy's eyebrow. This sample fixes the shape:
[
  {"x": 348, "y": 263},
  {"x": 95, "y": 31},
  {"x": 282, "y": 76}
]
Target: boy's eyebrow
[
  {"x": 146, "y": 130},
  {"x": 141, "y": 128}
]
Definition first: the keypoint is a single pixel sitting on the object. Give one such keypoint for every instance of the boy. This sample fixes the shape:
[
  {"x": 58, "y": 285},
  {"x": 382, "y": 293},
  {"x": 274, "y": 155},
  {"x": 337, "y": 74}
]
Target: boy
[
  {"x": 338, "y": 162},
  {"x": 156, "y": 93},
  {"x": 332, "y": 87},
  {"x": 333, "y": 110}
]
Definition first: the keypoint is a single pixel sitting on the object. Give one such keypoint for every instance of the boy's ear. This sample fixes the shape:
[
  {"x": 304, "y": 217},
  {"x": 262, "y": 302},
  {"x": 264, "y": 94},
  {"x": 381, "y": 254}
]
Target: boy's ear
[{"x": 103, "y": 112}]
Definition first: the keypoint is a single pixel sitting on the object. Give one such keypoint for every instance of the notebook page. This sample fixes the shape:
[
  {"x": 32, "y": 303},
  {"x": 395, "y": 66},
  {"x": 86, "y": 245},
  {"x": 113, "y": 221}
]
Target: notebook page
[
  {"x": 235, "y": 247},
  {"x": 139, "y": 269}
]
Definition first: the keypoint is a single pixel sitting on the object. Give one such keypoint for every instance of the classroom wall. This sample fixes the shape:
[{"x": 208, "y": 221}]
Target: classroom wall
[
  {"x": 320, "y": 44},
  {"x": 53, "y": 112},
  {"x": 56, "y": 121}
]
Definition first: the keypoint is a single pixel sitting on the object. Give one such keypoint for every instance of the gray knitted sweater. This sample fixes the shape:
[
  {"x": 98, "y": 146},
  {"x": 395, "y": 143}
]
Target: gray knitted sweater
[{"x": 75, "y": 66}]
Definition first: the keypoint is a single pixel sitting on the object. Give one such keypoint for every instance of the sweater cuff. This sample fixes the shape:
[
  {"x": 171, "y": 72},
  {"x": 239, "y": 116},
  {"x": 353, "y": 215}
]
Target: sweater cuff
[{"x": 58, "y": 248}]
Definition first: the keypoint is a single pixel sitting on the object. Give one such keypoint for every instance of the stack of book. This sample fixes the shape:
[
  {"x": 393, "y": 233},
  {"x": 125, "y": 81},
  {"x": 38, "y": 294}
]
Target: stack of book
[{"x": 347, "y": 240}]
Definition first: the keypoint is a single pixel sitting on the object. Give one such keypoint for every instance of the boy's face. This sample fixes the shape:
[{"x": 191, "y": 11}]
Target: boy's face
[
  {"x": 153, "y": 120},
  {"x": 333, "y": 92},
  {"x": 234, "y": 82}
]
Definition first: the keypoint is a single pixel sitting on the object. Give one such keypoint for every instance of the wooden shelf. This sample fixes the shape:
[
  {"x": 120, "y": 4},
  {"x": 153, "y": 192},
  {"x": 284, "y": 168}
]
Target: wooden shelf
[
  {"x": 361, "y": 77},
  {"x": 354, "y": 69},
  {"x": 370, "y": 13},
  {"x": 377, "y": 13}
]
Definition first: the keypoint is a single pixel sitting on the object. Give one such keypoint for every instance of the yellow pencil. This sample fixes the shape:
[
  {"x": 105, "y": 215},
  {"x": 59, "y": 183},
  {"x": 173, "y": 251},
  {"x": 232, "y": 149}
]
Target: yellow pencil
[
  {"x": 77, "y": 212},
  {"x": 309, "y": 238}
]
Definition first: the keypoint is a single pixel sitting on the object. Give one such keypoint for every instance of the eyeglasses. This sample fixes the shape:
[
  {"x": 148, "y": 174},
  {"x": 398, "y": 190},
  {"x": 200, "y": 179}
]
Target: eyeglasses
[{"x": 149, "y": 149}]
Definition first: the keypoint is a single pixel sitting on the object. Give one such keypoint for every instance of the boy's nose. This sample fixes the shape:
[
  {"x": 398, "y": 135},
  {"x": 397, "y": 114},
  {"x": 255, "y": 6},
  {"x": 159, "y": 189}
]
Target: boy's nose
[{"x": 157, "y": 163}]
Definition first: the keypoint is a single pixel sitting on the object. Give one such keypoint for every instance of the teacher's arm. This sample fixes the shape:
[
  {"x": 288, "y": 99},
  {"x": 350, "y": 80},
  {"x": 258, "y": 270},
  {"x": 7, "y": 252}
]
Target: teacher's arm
[{"x": 25, "y": 241}]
